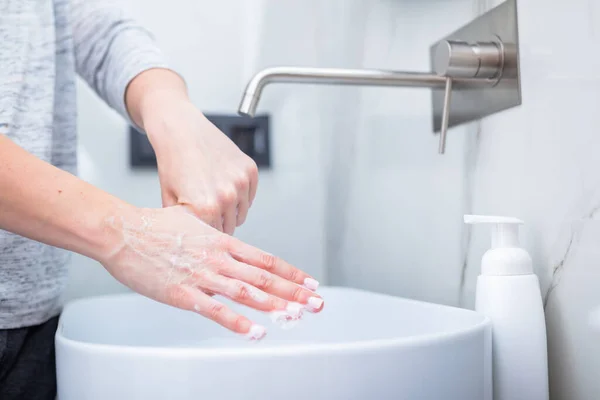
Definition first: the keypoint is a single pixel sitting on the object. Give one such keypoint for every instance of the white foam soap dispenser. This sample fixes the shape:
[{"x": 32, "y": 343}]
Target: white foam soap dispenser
[{"x": 508, "y": 292}]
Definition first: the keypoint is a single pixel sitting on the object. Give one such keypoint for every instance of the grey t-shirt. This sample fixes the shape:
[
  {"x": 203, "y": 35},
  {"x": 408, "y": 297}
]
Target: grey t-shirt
[{"x": 43, "y": 45}]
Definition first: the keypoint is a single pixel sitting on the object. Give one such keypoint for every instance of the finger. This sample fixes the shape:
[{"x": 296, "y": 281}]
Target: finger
[
  {"x": 262, "y": 280},
  {"x": 216, "y": 221},
  {"x": 228, "y": 200},
  {"x": 242, "y": 186},
  {"x": 229, "y": 220},
  {"x": 242, "y": 209},
  {"x": 253, "y": 177},
  {"x": 218, "y": 224},
  {"x": 251, "y": 255},
  {"x": 168, "y": 198},
  {"x": 191, "y": 299},
  {"x": 241, "y": 292}
]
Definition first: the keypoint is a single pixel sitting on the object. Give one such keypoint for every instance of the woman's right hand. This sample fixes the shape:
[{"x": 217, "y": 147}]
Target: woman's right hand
[{"x": 172, "y": 257}]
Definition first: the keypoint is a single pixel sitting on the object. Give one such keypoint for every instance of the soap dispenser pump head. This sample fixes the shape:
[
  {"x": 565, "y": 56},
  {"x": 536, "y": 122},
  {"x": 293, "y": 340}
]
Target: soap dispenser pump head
[{"x": 505, "y": 230}]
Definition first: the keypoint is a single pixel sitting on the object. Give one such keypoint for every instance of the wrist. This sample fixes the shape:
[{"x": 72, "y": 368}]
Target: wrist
[
  {"x": 172, "y": 125},
  {"x": 105, "y": 235},
  {"x": 151, "y": 91}
]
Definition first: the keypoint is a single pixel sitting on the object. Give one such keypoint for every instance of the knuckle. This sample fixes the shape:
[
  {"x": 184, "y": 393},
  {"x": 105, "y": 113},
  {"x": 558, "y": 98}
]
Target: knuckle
[
  {"x": 202, "y": 275},
  {"x": 210, "y": 208},
  {"x": 177, "y": 295},
  {"x": 224, "y": 242},
  {"x": 264, "y": 281},
  {"x": 239, "y": 323},
  {"x": 241, "y": 183},
  {"x": 252, "y": 168},
  {"x": 276, "y": 303},
  {"x": 293, "y": 275},
  {"x": 227, "y": 196},
  {"x": 240, "y": 293},
  {"x": 268, "y": 261},
  {"x": 215, "y": 310},
  {"x": 297, "y": 293},
  {"x": 218, "y": 266},
  {"x": 215, "y": 260}
]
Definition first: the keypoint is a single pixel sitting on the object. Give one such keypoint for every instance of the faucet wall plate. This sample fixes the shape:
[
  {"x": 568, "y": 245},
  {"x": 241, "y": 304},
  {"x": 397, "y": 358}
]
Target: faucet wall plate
[{"x": 472, "y": 102}]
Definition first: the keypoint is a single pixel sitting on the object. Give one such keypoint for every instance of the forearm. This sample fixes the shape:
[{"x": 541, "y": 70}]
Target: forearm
[
  {"x": 44, "y": 203},
  {"x": 154, "y": 100}
]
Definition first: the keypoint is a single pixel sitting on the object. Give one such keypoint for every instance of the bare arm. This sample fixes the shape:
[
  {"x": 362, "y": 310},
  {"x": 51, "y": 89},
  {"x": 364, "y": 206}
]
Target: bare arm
[
  {"x": 47, "y": 204},
  {"x": 165, "y": 254},
  {"x": 150, "y": 90}
]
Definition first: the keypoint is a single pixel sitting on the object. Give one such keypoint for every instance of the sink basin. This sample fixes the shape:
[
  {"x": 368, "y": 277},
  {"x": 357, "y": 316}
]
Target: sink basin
[{"x": 361, "y": 346}]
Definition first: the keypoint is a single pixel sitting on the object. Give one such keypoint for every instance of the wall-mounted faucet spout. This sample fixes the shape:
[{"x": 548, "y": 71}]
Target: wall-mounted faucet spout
[
  {"x": 332, "y": 76},
  {"x": 476, "y": 73}
]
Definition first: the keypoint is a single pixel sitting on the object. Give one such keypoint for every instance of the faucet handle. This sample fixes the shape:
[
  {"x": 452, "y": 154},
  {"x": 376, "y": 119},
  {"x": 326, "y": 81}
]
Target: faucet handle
[
  {"x": 445, "y": 115},
  {"x": 455, "y": 59}
]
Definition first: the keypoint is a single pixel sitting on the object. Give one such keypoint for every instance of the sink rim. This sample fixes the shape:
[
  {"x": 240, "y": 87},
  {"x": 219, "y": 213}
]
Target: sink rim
[{"x": 298, "y": 349}]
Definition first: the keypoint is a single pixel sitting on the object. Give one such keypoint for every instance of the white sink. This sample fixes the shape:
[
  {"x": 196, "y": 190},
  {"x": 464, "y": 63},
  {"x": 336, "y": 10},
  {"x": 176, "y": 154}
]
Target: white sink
[{"x": 361, "y": 346}]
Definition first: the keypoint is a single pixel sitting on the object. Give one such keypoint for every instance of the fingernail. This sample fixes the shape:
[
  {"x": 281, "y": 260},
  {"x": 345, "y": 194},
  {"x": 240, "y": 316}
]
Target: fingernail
[
  {"x": 311, "y": 284},
  {"x": 256, "y": 332},
  {"x": 314, "y": 303}
]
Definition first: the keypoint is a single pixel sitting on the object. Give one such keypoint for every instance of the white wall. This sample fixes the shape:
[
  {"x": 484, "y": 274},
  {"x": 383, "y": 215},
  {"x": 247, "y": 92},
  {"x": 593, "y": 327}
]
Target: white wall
[
  {"x": 397, "y": 202},
  {"x": 397, "y": 226},
  {"x": 540, "y": 162}
]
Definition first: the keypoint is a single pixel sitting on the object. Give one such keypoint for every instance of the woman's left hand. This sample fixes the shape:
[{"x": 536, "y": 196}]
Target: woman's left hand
[
  {"x": 201, "y": 168},
  {"x": 198, "y": 165}
]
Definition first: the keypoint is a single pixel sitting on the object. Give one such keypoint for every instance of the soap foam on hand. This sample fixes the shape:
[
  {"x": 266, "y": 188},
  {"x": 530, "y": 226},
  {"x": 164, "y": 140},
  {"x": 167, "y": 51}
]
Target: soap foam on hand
[
  {"x": 288, "y": 318},
  {"x": 284, "y": 319},
  {"x": 291, "y": 316},
  {"x": 256, "y": 332}
]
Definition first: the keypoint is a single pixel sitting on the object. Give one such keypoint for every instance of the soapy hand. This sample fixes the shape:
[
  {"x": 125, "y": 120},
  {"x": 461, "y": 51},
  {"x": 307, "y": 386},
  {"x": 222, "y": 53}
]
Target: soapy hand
[
  {"x": 200, "y": 167},
  {"x": 175, "y": 258}
]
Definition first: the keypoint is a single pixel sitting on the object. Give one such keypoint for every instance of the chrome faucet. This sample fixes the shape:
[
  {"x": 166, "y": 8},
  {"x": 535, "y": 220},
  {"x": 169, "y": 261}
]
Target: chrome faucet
[
  {"x": 483, "y": 73},
  {"x": 335, "y": 76},
  {"x": 338, "y": 76}
]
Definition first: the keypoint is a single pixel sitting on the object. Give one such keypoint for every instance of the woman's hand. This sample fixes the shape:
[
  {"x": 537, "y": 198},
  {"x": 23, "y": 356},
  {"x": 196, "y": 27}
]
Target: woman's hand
[
  {"x": 198, "y": 165},
  {"x": 202, "y": 168},
  {"x": 174, "y": 258}
]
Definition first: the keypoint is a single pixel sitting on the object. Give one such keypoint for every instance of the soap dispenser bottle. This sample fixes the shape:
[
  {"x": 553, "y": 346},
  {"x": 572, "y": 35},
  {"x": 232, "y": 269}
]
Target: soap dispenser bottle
[{"x": 508, "y": 292}]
